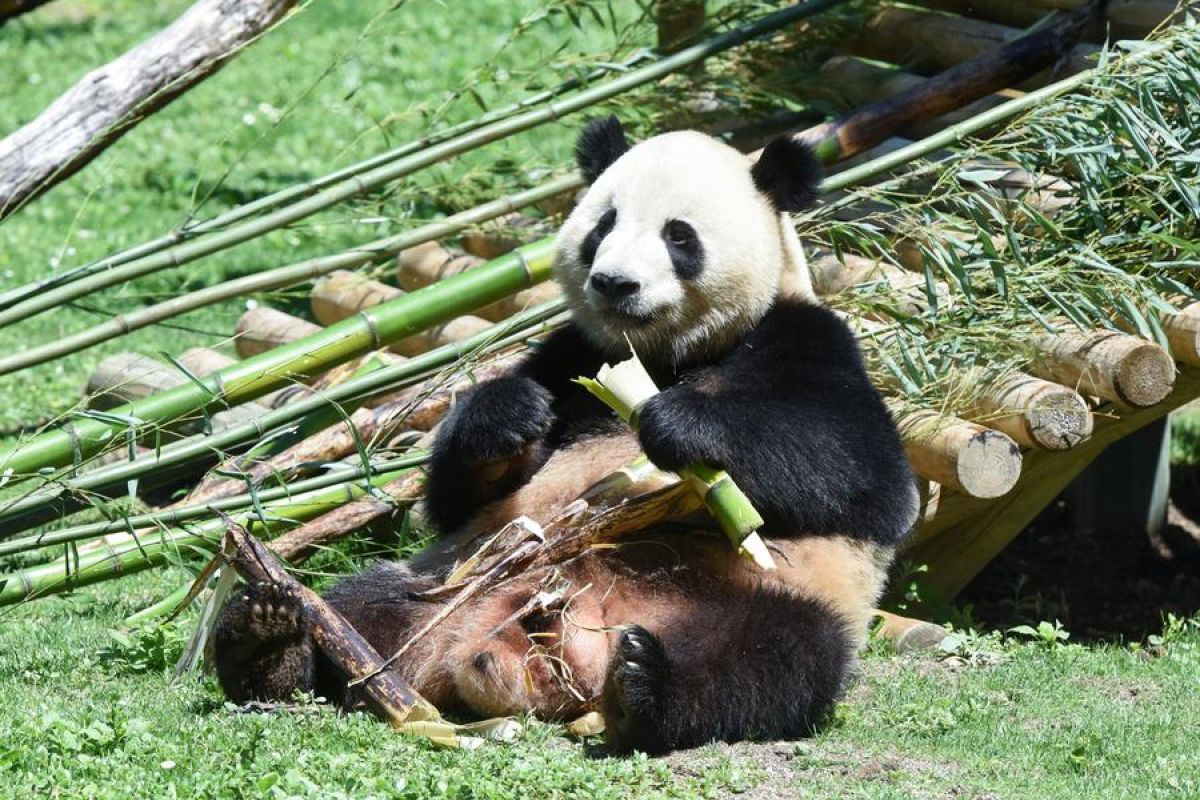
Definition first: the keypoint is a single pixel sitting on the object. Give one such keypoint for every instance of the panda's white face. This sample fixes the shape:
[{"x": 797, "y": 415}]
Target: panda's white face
[{"x": 674, "y": 248}]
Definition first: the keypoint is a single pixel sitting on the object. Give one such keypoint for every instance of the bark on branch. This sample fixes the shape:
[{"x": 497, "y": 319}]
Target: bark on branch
[{"x": 110, "y": 100}]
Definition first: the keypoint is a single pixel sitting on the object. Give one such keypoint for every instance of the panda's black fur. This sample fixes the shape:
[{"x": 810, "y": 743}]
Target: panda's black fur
[{"x": 681, "y": 644}]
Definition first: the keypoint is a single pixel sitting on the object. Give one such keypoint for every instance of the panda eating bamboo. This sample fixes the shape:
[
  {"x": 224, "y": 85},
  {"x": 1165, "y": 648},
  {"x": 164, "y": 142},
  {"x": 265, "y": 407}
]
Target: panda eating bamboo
[{"x": 683, "y": 248}]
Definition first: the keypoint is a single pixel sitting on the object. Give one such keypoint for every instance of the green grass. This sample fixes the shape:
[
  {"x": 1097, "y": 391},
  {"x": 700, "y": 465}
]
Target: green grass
[{"x": 87, "y": 716}]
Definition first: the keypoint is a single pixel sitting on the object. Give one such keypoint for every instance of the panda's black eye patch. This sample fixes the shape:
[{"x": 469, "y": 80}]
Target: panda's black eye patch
[
  {"x": 683, "y": 245},
  {"x": 591, "y": 242}
]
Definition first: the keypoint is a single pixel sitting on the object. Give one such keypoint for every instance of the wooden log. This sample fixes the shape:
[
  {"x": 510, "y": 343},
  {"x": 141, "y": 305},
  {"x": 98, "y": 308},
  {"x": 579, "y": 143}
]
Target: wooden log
[
  {"x": 928, "y": 42},
  {"x": 1125, "y": 18},
  {"x": 858, "y": 82},
  {"x": 987, "y": 69},
  {"x": 967, "y": 533},
  {"x": 110, "y": 100},
  {"x": 1115, "y": 367},
  {"x": 385, "y": 693},
  {"x": 342, "y": 294},
  {"x": 430, "y": 262},
  {"x": 907, "y": 634},
  {"x": 901, "y": 289},
  {"x": 959, "y": 454},
  {"x": 1183, "y": 335},
  {"x": 1034, "y": 412},
  {"x": 201, "y": 361},
  {"x": 264, "y": 328},
  {"x": 502, "y": 235}
]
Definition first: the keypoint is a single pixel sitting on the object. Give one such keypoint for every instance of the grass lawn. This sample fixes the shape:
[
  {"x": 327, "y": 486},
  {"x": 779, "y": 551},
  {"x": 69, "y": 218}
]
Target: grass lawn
[{"x": 85, "y": 714}]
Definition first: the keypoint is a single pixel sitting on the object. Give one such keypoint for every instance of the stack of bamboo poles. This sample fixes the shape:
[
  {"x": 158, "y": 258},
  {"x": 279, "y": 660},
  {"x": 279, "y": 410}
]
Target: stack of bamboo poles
[{"x": 986, "y": 470}]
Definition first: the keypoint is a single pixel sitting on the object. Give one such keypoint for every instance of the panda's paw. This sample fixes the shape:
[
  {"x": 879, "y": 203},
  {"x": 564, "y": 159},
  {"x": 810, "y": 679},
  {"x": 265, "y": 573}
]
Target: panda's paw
[
  {"x": 498, "y": 420},
  {"x": 636, "y": 693},
  {"x": 675, "y": 431},
  {"x": 262, "y": 614}
]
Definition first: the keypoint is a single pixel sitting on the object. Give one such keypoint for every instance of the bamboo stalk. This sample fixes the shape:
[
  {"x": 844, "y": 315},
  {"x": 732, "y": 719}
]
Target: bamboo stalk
[
  {"x": 133, "y": 556},
  {"x": 961, "y": 455},
  {"x": 1113, "y": 366},
  {"x": 40, "y": 300},
  {"x": 264, "y": 328},
  {"x": 22, "y": 512},
  {"x": 275, "y": 278},
  {"x": 385, "y": 693},
  {"x": 275, "y": 369},
  {"x": 147, "y": 524}
]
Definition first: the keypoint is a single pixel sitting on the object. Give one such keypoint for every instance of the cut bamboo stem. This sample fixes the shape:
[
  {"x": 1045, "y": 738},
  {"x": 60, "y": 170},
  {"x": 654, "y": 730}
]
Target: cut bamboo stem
[
  {"x": 264, "y": 328},
  {"x": 1112, "y": 366},
  {"x": 960, "y": 455},
  {"x": 1035, "y": 412}
]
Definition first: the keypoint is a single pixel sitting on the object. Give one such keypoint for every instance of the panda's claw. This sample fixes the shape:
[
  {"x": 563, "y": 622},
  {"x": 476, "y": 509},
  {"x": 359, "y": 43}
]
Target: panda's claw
[{"x": 635, "y": 694}]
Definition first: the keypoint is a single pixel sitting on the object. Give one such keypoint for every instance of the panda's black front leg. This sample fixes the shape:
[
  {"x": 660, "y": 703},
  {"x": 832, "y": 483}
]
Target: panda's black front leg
[
  {"x": 490, "y": 444},
  {"x": 772, "y": 668},
  {"x": 681, "y": 426}
]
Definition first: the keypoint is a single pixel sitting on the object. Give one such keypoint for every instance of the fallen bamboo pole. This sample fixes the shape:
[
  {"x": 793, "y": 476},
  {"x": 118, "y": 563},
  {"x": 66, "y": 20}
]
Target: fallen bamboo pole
[
  {"x": 1115, "y": 367},
  {"x": 430, "y": 262}
]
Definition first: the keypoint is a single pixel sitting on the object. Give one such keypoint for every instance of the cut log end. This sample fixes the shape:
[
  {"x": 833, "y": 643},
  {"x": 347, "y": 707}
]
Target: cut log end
[
  {"x": 1037, "y": 413},
  {"x": 989, "y": 465},
  {"x": 1145, "y": 376},
  {"x": 961, "y": 455}
]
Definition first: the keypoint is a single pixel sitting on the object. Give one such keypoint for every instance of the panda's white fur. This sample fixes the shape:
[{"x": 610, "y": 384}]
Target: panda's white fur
[{"x": 749, "y": 248}]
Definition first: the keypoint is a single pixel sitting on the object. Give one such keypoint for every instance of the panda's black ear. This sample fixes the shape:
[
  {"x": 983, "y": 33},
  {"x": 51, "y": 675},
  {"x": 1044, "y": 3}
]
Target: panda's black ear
[
  {"x": 601, "y": 143},
  {"x": 788, "y": 173}
]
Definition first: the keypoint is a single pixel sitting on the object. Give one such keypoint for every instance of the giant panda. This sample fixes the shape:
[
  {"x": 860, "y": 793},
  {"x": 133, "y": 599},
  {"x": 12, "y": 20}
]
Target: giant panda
[{"x": 683, "y": 248}]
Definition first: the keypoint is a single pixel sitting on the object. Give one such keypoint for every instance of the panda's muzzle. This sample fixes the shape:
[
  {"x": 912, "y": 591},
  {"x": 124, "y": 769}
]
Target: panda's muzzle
[{"x": 614, "y": 288}]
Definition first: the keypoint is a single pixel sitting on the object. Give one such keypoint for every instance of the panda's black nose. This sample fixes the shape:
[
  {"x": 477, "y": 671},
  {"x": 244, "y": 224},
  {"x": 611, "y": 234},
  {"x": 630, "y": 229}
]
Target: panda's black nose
[{"x": 614, "y": 287}]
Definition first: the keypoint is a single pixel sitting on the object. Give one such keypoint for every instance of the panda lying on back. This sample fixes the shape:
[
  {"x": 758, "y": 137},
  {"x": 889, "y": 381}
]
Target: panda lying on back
[{"x": 684, "y": 249}]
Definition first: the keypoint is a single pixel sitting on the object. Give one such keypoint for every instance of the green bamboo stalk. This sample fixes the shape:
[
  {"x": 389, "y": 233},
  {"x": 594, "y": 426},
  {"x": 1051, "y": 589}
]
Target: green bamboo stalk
[
  {"x": 35, "y": 508},
  {"x": 110, "y": 562},
  {"x": 253, "y": 377},
  {"x": 374, "y": 178},
  {"x": 191, "y": 230},
  {"x": 147, "y": 523},
  {"x": 284, "y": 276}
]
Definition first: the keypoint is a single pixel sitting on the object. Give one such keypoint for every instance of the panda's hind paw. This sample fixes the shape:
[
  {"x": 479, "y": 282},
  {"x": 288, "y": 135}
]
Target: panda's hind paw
[
  {"x": 265, "y": 613},
  {"x": 636, "y": 693}
]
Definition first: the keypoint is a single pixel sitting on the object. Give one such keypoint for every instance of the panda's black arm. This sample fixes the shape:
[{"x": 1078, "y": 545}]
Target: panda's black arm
[
  {"x": 793, "y": 417},
  {"x": 502, "y": 431}
]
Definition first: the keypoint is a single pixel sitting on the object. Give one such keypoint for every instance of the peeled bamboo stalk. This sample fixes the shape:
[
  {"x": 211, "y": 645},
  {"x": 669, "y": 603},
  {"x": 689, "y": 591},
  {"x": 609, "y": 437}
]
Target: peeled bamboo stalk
[
  {"x": 858, "y": 81},
  {"x": 385, "y": 693},
  {"x": 1183, "y": 334},
  {"x": 1036, "y": 413},
  {"x": 34, "y": 299},
  {"x": 263, "y": 328},
  {"x": 928, "y": 42},
  {"x": 1116, "y": 367},
  {"x": 264, "y": 373},
  {"x": 1127, "y": 18},
  {"x": 960, "y": 455},
  {"x": 344, "y": 294},
  {"x": 431, "y": 262}
]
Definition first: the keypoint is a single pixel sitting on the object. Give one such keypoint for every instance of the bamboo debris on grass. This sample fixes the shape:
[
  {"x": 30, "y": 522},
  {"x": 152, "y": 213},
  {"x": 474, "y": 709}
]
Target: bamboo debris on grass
[
  {"x": 36, "y": 298},
  {"x": 386, "y": 694}
]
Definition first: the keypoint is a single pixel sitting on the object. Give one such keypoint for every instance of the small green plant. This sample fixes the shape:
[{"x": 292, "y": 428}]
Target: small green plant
[
  {"x": 1045, "y": 634},
  {"x": 154, "y": 648}
]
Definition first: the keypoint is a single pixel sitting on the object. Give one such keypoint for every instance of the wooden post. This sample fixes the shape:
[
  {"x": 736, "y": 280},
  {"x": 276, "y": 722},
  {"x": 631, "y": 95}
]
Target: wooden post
[
  {"x": 264, "y": 328},
  {"x": 1035, "y": 413},
  {"x": 1113, "y": 366},
  {"x": 960, "y": 455},
  {"x": 1183, "y": 334}
]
